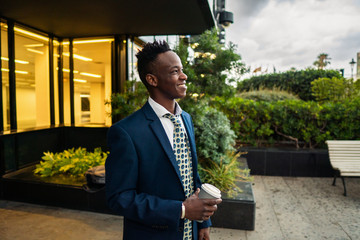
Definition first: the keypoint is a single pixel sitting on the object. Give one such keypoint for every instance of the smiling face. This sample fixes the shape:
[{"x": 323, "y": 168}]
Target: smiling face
[{"x": 167, "y": 80}]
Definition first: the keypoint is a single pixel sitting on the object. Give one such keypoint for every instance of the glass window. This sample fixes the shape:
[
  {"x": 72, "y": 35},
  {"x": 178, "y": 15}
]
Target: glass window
[
  {"x": 32, "y": 79},
  {"x": 92, "y": 80},
  {"x": 56, "y": 81},
  {"x": 5, "y": 76},
  {"x": 66, "y": 83}
]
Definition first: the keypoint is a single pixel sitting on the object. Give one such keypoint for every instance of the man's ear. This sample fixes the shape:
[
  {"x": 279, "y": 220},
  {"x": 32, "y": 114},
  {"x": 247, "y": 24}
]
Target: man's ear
[{"x": 151, "y": 79}]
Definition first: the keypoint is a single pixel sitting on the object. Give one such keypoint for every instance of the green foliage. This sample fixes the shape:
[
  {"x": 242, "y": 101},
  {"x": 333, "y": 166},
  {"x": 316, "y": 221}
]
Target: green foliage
[
  {"x": 268, "y": 95},
  {"x": 215, "y": 138},
  {"x": 134, "y": 97},
  {"x": 213, "y": 133},
  {"x": 208, "y": 71},
  {"x": 334, "y": 89},
  {"x": 249, "y": 119},
  {"x": 225, "y": 173},
  {"x": 215, "y": 141},
  {"x": 296, "y": 82},
  {"x": 307, "y": 124},
  {"x": 71, "y": 161}
]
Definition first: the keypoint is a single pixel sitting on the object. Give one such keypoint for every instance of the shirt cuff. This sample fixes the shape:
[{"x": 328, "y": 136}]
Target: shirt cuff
[{"x": 182, "y": 211}]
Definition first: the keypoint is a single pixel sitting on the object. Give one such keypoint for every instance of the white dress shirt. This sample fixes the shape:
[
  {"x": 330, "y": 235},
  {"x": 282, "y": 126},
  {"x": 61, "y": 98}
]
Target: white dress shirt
[{"x": 166, "y": 123}]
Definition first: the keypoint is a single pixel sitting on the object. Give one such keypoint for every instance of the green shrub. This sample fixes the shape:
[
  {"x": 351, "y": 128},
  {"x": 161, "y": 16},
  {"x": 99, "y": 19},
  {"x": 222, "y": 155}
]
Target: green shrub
[
  {"x": 71, "y": 161},
  {"x": 307, "y": 124},
  {"x": 268, "y": 95},
  {"x": 213, "y": 133},
  {"x": 297, "y": 82},
  {"x": 251, "y": 120},
  {"x": 214, "y": 137},
  {"x": 334, "y": 89},
  {"x": 298, "y": 121},
  {"x": 215, "y": 140}
]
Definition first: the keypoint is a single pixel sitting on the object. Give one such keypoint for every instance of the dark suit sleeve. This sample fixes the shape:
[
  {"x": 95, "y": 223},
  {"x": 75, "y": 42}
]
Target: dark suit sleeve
[{"x": 121, "y": 186}]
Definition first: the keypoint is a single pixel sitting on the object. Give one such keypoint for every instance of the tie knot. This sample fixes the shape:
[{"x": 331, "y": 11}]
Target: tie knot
[{"x": 173, "y": 118}]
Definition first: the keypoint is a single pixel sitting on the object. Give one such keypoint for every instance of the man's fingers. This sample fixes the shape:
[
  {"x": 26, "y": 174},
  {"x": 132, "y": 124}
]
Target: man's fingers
[{"x": 212, "y": 202}]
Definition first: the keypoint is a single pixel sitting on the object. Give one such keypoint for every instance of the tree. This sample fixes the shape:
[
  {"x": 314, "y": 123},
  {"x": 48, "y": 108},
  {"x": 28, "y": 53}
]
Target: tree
[
  {"x": 212, "y": 66},
  {"x": 322, "y": 61}
]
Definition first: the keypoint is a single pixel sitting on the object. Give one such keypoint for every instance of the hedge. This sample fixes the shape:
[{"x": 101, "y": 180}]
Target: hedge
[
  {"x": 306, "y": 123},
  {"x": 297, "y": 82}
]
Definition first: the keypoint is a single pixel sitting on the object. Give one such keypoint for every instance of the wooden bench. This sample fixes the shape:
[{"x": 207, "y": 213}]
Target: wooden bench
[{"x": 344, "y": 158}]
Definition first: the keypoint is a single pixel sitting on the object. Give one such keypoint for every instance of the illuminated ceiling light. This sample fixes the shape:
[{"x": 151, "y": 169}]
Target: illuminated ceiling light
[
  {"x": 80, "y": 80},
  {"x": 86, "y": 59},
  {"x": 21, "y": 72},
  {"x": 21, "y": 61},
  {"x": 68, "y": 70},
  {"x": 90, "y": 41},
  {"x": 35, "y": 51},
  {"x": 16, "y": 71},
  {"x": 16, "y": 60},
  {"x": 19, "y": 30},
  {"x": 90, "y": 75},
  {"x": 84, "y": 95},
  {"x": 34, "y": 45}
]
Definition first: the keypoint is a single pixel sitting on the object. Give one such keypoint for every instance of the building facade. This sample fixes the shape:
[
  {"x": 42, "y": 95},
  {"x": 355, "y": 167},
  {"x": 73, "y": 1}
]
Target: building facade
[{"x": 60, "y": 61}]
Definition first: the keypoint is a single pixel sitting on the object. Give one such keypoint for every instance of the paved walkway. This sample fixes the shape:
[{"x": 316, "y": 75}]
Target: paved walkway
[{"x": 287, "y": 208}]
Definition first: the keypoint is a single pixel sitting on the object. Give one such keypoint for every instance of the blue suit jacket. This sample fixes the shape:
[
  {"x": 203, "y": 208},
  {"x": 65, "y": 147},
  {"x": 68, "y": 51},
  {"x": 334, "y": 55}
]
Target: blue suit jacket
[{"x": 143, "y": 180}]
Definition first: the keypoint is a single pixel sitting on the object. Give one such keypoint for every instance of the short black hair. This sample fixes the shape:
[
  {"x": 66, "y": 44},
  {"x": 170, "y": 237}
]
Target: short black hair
[{"x": 147, "y": 55}]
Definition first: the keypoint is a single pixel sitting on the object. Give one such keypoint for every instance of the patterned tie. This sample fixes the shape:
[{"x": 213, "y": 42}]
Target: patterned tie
[{"x": 182, "y": 153}]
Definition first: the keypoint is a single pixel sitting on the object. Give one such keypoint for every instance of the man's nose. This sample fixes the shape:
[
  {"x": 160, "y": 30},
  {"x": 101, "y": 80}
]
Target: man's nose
[{"x": 183, "y": 76}]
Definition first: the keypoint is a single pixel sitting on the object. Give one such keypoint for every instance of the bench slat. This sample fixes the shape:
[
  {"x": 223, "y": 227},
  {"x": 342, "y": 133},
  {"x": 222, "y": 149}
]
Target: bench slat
[{"x": 344, "y": 156}]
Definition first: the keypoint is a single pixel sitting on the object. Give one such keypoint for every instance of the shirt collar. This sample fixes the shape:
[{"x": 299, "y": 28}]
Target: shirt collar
[{"x": 160, "y": 110}]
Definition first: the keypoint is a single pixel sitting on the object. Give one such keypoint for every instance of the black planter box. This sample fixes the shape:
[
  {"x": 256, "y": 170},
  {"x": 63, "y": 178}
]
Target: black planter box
[
  {"x": 288, "y": 162},
  {"x": 237, "y": 212},
  {"x": 20, "y": 186}
]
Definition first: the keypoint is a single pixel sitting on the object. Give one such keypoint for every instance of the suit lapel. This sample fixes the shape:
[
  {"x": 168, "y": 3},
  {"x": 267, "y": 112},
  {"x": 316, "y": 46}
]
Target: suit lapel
[
  {"x": 188, "y": 126},
  {"x": 160, "y": 134},
  {"x": 190, "y": 132}
]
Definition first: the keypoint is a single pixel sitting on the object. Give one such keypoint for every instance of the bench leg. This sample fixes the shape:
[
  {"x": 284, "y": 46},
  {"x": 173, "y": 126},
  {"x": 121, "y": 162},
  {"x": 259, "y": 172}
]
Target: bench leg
[
  {"x": 334, "y": 182},
  {"x": 343, "y": 180}
]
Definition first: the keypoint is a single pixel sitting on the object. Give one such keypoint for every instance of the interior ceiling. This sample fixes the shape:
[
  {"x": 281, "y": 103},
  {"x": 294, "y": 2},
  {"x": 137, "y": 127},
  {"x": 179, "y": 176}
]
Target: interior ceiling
[{"x": 84, "y": 18}]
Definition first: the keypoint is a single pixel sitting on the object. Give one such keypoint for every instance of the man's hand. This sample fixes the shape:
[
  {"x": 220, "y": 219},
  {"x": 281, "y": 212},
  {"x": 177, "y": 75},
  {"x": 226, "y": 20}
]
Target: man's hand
[
  {"x": 200, "y": 209},
  {"x": 204, "y": 234}
]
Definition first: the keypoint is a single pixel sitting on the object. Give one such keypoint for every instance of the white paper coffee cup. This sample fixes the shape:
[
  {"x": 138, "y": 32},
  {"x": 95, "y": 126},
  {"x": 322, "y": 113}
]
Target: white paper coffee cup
[{"x": 209, "y": 191}]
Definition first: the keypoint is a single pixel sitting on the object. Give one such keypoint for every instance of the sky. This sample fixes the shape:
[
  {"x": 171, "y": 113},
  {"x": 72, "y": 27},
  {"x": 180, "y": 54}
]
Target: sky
[{"x": 292, "y": 33}]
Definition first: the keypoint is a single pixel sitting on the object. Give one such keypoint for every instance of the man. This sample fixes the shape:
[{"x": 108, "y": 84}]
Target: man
[{"x": 151, "y": 172}]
